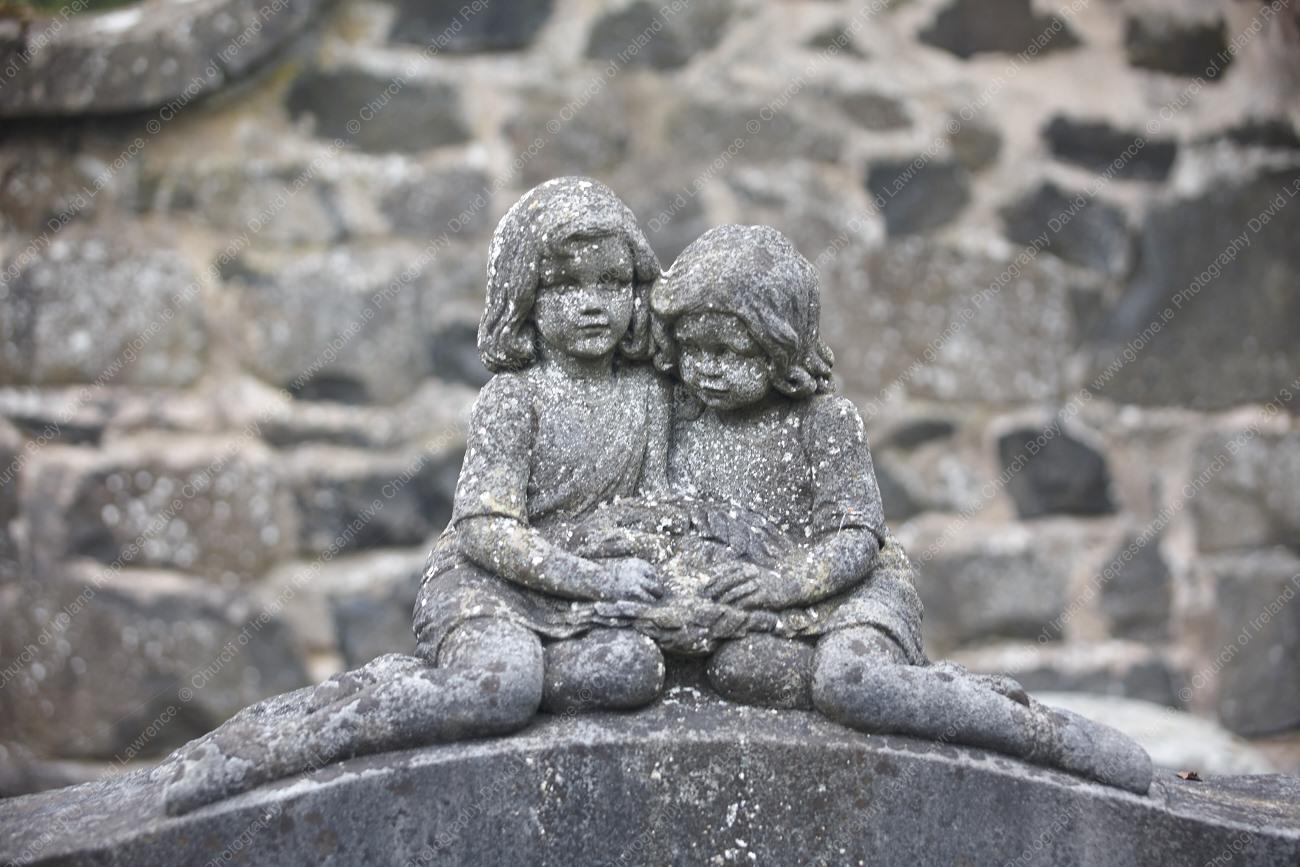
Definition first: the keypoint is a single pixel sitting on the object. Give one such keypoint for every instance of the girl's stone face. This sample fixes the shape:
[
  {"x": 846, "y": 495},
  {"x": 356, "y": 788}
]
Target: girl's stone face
[
  {"x": 720, "y": 362},
  {"x": 584, "y": 297}
]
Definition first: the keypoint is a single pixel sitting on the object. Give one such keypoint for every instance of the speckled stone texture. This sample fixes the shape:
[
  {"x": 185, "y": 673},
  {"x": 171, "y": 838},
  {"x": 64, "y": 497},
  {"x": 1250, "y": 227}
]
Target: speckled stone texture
[{"x": 687, "y": 781}]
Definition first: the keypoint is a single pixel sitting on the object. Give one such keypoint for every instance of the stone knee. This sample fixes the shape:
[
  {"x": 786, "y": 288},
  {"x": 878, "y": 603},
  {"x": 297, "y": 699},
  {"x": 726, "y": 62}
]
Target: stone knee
[
  {"x": 764, "y": 670},
  {"x": 605, "y": 669},
  {"x": 507, "y": 660},
  {"x": 845, "y": 672}
]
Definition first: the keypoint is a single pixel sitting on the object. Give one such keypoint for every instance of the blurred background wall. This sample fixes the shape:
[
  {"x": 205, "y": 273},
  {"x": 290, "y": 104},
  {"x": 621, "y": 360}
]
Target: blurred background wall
[{"x": 1061, "y": 273}]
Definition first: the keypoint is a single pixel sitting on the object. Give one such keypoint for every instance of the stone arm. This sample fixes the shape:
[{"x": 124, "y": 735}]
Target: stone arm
[{"x": 834, "y": 562}]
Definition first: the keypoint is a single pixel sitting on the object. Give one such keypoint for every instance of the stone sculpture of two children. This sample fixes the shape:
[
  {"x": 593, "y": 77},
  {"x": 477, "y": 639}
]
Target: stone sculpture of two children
[{"x": 607, "y": 514}]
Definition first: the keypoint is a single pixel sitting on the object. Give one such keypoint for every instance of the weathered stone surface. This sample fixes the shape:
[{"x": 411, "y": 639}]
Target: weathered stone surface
[
  {"x": 207, "y": 505},
  {"x": 138, "y": 57},
  {"x": 976, "y": 145},
  {"x": 672, "y": 212},
  {"x": 874, "y": 111},
  {"x": 932, "y": 320},
  {"x": 643, "y": 33},
  {"x": 1264, "y": 132},
  {"x": 1085, "y": 231},
  {"x": 55, "y": 176},
  {"x": 969, "y": 27},
  {"x": 137, "y": 662},
  {"x": 377, "y": 619},
  {"x": 661, "y": 786},
  {"x": 1175, "y": 739},
  {"x": 1256, "y": 651},
  {"x": 902, "y": 495},
  {"x": 806, "y": 203},
  {"x": 746, "y": 131},
  {"x": 913, "y": 432},
  {"x": 836, "y": 41},
  {"x": 1245, "y": 494},
  {"x": 442, "y": 200},
  {"x": 13, "y": 457},
  {"x": 1115, "y": 668},
  {"x": 1210, "y": 311},
  {"x": 454, "y": 348},
  {"x": 341, "y": 325},
  {"x": 1137, "y": 600},
  {"x": 377, "y": 112},
  {"x": 592, "y": 141},
  {"x": 1100, "y": 147},
  {"x": 22, "y": 772},
  {"x": 351, "y": 500},
  {"x": 444, "y": 26},
  {"x": 918, "y": 195},
  {"x": 1053, "y": 472},
  {"x": 143, "y": 324},
  {"x": 1165, "y": 44},
  {"x": 979, "y": 583}
]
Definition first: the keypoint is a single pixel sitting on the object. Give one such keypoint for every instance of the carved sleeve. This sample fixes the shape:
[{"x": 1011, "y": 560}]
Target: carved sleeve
[{"x": 845, "y": 493}]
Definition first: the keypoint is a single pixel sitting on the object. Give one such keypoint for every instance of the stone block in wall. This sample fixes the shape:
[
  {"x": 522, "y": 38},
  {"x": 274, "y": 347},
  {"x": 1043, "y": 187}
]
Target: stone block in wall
[
  {"x": 743, "y": 131},
  {"x": 94, "y": 307},
  {"x": 657, "y": 35},
  {"x": 1127, "y": 154},
  {"x": 550, "y": 139},
  {"x": 137, "y": 664},
  {"x": 919, "y": 194},
  {"x": 12, "y": 458},
  {"x": 1195, "y": 49},
  {"x": 212, "y": 506},
  {"x": 352, "y": 500},
  {"x": 933, "y": 320},
  {"x": 1082, "y": 230},
  {"x": 1243, "y": 490},
  {"x": 427, "y": 203},
  {"x": 877, "y": 112},
  {"x": 1049, "y": 471},
  {"x": 1208, "y": 319},
  {"x": 451, "y": 27},
  {"x": 1255, "y": 658},
  {"x": 970, "y": 27},
  {"x": 1136, "y": 601},
  {"x": 378, "y": 112},
  {"x": 340, "y": 324},
  {"x": 984, "y": 581},
  {"x": 1122, "y": 668}
]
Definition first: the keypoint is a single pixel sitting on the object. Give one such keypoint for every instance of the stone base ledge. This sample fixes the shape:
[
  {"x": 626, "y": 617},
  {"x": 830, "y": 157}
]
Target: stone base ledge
[{"x": 687, "y": 781}]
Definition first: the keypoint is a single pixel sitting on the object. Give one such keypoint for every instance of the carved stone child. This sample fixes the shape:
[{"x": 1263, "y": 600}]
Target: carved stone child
[{"x": 736, "y": 319}]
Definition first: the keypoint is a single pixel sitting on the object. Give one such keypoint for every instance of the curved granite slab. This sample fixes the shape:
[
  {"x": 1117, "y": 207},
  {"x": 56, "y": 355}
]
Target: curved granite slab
[
  {"x": 688, "y": 781},
  {"x": 152, "y": 53}
]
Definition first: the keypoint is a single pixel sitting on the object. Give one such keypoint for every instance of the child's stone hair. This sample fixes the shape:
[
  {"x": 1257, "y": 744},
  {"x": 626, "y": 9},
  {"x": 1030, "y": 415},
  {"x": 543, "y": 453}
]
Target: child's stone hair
[
  {"x": 548, "y": 215},
  {"x": 757, "y": 275}
]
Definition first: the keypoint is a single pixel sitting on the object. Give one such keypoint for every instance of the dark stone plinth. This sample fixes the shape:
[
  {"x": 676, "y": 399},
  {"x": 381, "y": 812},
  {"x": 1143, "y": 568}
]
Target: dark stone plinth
[{"x": 688, "y": 781}]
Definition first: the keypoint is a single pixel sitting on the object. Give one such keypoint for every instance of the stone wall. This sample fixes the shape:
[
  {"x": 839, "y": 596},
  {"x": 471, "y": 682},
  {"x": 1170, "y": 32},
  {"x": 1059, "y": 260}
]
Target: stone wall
[{"x": 1058, "y": 251}]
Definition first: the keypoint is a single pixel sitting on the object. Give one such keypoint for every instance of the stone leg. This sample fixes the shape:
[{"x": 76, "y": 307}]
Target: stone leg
[
  {"x": 489, "y": 682},
  {"x": 858, "y": 680},
  {"x": 765, "y": 671},
  {"x": 605, "y": 669}
]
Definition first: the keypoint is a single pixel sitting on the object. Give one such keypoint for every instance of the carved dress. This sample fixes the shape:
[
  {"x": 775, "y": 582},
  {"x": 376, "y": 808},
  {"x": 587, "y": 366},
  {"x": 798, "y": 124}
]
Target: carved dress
[
  {"x": 535, "y": 458},
  {"x": 805, "y": 466}
]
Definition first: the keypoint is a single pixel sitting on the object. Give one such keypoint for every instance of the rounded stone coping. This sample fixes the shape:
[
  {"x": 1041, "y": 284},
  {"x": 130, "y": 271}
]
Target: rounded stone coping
[
  {"x": 687, "y": 781},
  {"x": 148, "y": 54}
]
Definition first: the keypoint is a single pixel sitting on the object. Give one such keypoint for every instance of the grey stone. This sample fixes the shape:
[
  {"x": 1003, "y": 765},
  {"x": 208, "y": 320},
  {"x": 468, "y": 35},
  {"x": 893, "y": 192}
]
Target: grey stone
[
  {"x": 1085, "y": 231},
  {"x": 1165, "y": 44},
  {"x": 446, "y": 26},
  {"x": 351, "y": 500},
  {"x": 606, "y": 669},
  {"x": 673, "y": 212},
  {"x": 748, "y": 131},
  {"x": 1053, "y": 472},
  {"x": 1113, "y": 668},
  {"x": 1263, "y": 132},
  {"x": 643, "y": 33},
  {"x": 817, "y": 210},
  {"x": 1245, "y": 496},
  {"x": 1211, "y": 268},
  {"x": 835, "y": 40},
  {"x": 914, "y": 432},
  {"x": 143, "y": 325},
  {"x": 764, "y": 671},
  {"x": 1099, "y": 147},
  {"x": 214, "y": 506},
  {"x": 975, "y": 145},
  {"x": 411, "y": 115},
  {"x": 137, "y": 58},
  {"x": 61, "y": 174},
  {"x": 983, "y": 583},
  {"x": 342, "y": 324},
  {"x": 662, "y": 786},
  {"x": 947, "y": 323},
  {"x": 903, "y": 496},
  {"x": 454, "y": 348},
  {"x": 875, "y": 111},
  {"x": 1255, "y": 658},
  {"x": 1137, "y": 600},
  {"x": 918, "y": 195},
  {"x": 436, "y": 202},
  {"x": 592, "y": 141},
  {"x": 140, "y": 661},
  {"x": 970, "y": 27},
  {"x": 14, "y": 453}
]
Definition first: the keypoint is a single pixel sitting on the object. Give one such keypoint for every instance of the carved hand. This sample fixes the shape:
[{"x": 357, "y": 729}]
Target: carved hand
[
  {"x": 631, "y": 578},
  {"x": 750, "y": 586}
]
